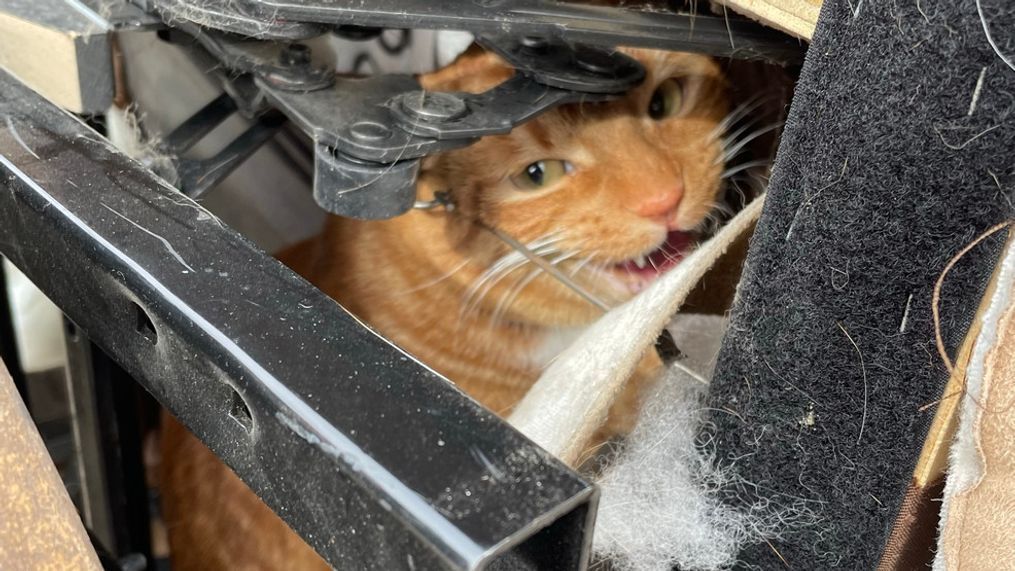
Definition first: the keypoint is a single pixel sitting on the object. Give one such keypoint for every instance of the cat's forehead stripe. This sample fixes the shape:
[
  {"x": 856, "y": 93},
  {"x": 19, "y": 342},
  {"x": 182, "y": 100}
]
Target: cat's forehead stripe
[{"x": 660, "y": 65}]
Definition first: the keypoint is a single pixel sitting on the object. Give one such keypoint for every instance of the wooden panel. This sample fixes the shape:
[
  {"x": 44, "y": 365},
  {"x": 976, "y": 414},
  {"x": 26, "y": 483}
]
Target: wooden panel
[
  {"x": 61, "y": 53},
  {"x": 795, "y": 17}
]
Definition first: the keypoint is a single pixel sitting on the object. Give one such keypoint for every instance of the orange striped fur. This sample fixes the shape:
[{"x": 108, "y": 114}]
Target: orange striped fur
[{"x": 414, "y": 277}]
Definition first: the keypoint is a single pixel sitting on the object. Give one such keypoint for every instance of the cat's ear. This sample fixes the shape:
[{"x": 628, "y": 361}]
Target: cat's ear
[{"x": 474, "y": 71}]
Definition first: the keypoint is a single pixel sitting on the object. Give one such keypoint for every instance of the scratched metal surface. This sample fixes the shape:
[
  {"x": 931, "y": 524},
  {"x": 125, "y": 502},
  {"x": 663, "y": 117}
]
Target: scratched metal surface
[
  {"x": 377, "y": 461},
  {"x": 723, "y": 35}
]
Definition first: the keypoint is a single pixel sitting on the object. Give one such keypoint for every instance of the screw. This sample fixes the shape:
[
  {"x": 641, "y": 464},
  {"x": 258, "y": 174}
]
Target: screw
[
  {"x": 295, "y": 55},
  {"x": 369, "y": 131},
  {"x": 433, "y": 106}
]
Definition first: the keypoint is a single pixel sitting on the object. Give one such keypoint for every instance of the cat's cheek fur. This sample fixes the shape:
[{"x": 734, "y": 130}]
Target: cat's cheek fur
[{"x": 409, "y": 277}]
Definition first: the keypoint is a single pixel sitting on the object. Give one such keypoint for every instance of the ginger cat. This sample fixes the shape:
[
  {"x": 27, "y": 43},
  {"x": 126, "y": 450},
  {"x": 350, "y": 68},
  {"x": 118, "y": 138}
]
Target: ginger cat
[{"x": 611, "y": 193}]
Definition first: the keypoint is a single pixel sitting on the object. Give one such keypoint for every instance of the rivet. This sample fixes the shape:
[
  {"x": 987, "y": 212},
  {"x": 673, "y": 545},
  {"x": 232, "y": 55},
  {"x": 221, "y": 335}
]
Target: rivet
[
  {"x": 433, "y": 106},
  {"x": 369, "y": 131}
]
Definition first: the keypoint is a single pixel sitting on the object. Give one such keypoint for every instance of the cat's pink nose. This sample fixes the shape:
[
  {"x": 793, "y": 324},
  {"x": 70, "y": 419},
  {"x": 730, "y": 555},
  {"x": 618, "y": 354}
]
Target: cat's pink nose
[{"x": 660, "y": 204}]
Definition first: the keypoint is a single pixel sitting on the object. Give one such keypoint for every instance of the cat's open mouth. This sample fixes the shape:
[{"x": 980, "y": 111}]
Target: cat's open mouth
[{"x": 638, "y": 272}]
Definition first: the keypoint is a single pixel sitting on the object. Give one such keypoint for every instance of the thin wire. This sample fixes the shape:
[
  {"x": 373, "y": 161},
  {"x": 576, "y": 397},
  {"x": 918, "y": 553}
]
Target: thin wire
[
  {"x": 547, "y": 267},
  {"x": 689, "y": 372},
  {"x": 443, "y": 200}
]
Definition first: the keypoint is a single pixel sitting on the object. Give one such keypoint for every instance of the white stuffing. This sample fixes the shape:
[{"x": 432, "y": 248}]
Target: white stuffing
[
  {"x": 124, "y": 131},
  {"x": 660, "y": 504}
]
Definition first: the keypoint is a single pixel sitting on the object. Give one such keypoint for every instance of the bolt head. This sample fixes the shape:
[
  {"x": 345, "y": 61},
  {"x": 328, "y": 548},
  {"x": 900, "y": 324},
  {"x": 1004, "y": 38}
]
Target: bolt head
[{"x": 433, "y": 106}]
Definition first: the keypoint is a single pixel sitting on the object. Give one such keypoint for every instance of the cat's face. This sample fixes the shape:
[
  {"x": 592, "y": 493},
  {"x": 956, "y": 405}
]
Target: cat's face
[{"x": 609, "y": 192}]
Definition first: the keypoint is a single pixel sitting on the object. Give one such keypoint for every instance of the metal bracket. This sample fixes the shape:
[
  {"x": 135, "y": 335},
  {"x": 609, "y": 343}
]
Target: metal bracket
[
  {"x": 362, "y": 189},
  {"x": 197, "y": 177},
  {"x": 370, "y": 133},
  {"x": 284, "y": 65},
  {"x": 567, "y": 65}
]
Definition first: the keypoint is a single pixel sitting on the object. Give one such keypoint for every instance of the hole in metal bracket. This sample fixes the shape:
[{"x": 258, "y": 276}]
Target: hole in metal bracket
[
  {"x": 70, "y": 329},
  {"x": 143, "y": 324},
  {"x": 240, "y": 412}
]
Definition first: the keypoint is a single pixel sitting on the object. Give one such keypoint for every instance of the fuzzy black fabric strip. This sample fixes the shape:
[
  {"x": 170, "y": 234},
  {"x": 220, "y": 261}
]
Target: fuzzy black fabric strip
[{"x": 899, "y": 150}]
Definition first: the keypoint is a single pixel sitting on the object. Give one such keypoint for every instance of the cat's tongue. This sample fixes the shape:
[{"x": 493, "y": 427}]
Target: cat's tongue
[{"x": 661, "y": 259}]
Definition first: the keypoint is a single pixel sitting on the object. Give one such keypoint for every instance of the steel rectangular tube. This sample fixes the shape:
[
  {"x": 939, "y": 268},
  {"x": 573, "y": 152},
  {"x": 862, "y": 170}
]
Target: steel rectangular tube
[
  {"x": 377, "y": 461},
  {"x": 727, "y": 35}
]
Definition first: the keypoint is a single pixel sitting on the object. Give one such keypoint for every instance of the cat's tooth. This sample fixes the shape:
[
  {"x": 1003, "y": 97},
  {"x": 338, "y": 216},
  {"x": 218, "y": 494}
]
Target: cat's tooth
[{"x": 640, "y": 262}]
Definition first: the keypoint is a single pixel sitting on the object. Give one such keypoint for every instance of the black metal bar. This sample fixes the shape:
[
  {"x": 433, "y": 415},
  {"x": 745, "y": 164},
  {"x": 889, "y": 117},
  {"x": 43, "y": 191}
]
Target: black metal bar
[
  {"x": 8, "y": 343},
  {"x": 726, "y": 35},
  {"x": 86, "y": 419},
  {"x": 199, "y": 176},
  {"x": 122, "y": 436},
  {"x": 200, "y": 124},
  {"x": 374, "y": 459},
  {"x": 107, "y": 438}
]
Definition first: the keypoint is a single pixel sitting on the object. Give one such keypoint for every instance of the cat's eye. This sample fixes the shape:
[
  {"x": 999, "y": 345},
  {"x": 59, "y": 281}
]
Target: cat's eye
[
  {"x": 541, "y": 174},
  {"x": 667, "y": 100}
]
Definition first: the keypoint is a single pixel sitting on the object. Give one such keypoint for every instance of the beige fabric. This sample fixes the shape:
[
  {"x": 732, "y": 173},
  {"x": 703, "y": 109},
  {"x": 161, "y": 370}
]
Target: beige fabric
[
  {"x": 795, "y": 17},
  {"x": 979, "y": 523},
  {"x": 571, "y": 399},
  {"x": 39, "y": 528}
]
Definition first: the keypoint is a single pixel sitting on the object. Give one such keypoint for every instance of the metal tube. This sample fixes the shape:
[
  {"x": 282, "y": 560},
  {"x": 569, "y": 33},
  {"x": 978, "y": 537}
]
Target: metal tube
[{"x": 373, "y": 458}]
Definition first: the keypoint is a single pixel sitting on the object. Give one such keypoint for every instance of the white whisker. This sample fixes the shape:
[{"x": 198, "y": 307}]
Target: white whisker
[
  {"x": 735, "y": 135},
  {"x": 654, "y": 266},
  {"x": 512, "y": 294},
  {"x": 581, "y": 264},
  {"x": 742, "y": 167},
  {"x": 740, "y": 112},
  {"x": 485, "y": 283},
  {"x": 730, "y": 152},
  {"x": 434, "y": 281},
  {"x": 503, "y": 267}
]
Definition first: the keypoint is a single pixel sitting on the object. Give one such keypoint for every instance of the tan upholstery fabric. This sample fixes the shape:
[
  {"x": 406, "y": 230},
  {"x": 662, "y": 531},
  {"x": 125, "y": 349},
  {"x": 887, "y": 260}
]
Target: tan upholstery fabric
[
  {"x": 979, "y": 527},
  {"x": 39, "y": 528}
]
